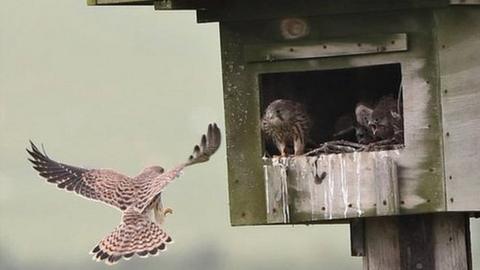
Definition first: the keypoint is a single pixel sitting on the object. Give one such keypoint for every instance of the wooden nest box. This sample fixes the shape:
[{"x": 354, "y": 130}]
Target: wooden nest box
[{"x": 329, "y": 55}]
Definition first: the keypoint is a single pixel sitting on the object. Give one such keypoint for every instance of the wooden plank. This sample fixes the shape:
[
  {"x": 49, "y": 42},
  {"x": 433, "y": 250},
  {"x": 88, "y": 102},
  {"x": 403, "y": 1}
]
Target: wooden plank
[
  {"x": 328, "y": 187},
  {"x": 416, "y": 242},
  {"x": 246, "y": 183},
  {"x": 433, "y": 241},
  {"x": 386, "y": 185},
  {"x": 464, "y": 2},
  {"x": 241, "y": 10},
  {"x": 301, "y": 181},
  {"x": 459, "y": 59},
  {"x": 185, "y": 4},
  {"x": 118, "y": 2},
  {"x": 364, "y": 202},
  {"x": 276, "y": 192},
  {"x": 381, "y": 244},
  {"x": 327, "y": 48},
  {"x": 452, "y": 241}
]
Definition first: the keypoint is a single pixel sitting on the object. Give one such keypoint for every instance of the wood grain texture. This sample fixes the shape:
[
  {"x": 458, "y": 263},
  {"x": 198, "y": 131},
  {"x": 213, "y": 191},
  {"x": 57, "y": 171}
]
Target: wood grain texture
[
  {"x": 328, "y": 187},
  {"x": 386, "y": 185},
  {"x": 382, "y": 244},
  {"x": 430, "y": 242},
  {"x": 327, "y": 48},
  {"x": 276, "y": 193},
  {"x": 246, "y": 183},
  {"x": 459, "y": 59},
  {"x": 452, "y": 242}
]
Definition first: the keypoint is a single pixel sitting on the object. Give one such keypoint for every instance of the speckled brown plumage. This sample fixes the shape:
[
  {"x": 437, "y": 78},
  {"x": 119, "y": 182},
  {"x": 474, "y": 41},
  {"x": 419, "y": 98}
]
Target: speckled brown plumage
[
  {"x": 386, "y": 121},
  {"x": 363, "y": 116},
  {"x": 139, "y": 198},
  {"x": 287, "y": 122}
]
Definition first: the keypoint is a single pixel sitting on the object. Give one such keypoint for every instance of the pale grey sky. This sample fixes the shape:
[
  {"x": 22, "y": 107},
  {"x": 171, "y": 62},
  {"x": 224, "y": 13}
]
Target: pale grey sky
[{"x": 123, "y": 88}]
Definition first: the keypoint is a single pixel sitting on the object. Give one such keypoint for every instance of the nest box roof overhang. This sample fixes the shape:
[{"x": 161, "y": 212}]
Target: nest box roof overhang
[{"x": 242, "y": 10}]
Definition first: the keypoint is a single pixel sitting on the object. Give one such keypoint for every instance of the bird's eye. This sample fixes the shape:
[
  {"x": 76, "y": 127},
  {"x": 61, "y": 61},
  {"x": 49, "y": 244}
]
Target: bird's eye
[{"x": 278, "y": 111}]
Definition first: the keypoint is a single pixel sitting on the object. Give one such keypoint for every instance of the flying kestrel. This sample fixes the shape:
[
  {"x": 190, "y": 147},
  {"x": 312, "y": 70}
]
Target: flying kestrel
[{"x": 139, "y": 198}]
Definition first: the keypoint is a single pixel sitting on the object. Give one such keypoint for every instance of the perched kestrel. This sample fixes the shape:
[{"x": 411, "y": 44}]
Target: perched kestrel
[
  {"x": 287, "y": 122},
  {"x": 139, "y": 198}
]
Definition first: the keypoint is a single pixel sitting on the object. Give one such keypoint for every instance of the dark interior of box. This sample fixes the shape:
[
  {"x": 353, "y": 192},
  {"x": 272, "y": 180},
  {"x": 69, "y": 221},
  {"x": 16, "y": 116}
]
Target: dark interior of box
[{"x": 330, "y": 96}]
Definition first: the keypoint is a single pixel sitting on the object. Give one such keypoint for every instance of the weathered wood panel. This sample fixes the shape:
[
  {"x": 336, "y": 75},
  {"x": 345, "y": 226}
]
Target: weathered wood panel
[
  {"x": 336, "y": 186},
  {"x": 386, "y": 185},
  {"x": 452, "y": 241},
  {"x": 432, "y": 241},
  {"x": 459, "y": 57},
  {"x": 246, "y": 184},
  {"x": 381, "y": 252},
  {"x": 420, "y": 163},
  {"x": 327, "y": 48},
  {"x": 276, "y": 192}
]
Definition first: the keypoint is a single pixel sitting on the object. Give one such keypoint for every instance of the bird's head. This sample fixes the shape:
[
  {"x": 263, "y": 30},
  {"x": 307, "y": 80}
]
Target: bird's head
[
  {"x": 363, "y": 134},
  {"x": 380, "y": 126},
  {"x": 277, "y": 113}
]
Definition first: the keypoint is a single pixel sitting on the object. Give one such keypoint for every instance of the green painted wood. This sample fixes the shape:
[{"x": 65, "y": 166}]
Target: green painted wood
[
  {"x": 420, "y": 163},
  {"x": 326, "y": 48},
  {"x": 242, "y": 119}
]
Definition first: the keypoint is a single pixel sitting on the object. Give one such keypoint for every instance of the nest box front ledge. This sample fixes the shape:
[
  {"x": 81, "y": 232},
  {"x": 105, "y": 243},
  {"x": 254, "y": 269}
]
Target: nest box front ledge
[{"x": 304, "y": 189}]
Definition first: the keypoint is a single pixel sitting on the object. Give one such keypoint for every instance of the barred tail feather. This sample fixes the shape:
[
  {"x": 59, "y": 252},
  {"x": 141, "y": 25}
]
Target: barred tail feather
[{"x": 135, "y": 235}]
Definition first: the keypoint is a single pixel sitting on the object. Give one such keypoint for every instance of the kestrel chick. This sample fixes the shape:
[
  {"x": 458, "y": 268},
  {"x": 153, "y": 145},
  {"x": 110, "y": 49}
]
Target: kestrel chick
[
  {"x": 138, "y": 198},
  {"x": 384, "y": 118},
  {"x": 287, "y": 122},
  {"x": 363, "y": 116}
]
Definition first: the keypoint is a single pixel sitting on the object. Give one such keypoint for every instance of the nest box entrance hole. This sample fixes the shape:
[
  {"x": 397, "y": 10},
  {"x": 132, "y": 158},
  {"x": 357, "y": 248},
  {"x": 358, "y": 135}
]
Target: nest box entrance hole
[{"x": 331, "y": 97}]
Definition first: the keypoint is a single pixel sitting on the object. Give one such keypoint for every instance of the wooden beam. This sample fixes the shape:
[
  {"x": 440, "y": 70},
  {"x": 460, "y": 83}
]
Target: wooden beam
[
  {"x": 327, "y": 48},
  {"x": 381, "y": 244},
  {"x": 118, "y": 2},
  {"x": 357, "y": 237},
  {"x": 464, "y": 2},
  {"x": 430, "y": 242}
]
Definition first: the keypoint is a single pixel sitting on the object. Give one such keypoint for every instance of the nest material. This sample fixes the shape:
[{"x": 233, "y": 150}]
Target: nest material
[{"x": 342, "y": 146}]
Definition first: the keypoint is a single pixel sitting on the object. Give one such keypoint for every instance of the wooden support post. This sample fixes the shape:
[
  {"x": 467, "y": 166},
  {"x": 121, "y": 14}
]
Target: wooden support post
[
  {"x": 357, "y": 237},
  {"x": 429, "y": 242}
]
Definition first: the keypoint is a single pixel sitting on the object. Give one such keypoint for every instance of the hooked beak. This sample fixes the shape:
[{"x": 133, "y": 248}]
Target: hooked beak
[{"x": 373, "y": 127}]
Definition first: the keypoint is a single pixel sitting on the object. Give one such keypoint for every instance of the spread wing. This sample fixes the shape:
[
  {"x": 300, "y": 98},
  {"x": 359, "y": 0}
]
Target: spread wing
[
  {"x": 102, "y": 185},
  {"x": 209, "y": 144}
]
